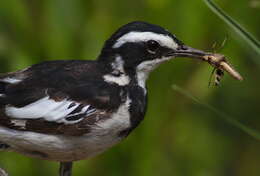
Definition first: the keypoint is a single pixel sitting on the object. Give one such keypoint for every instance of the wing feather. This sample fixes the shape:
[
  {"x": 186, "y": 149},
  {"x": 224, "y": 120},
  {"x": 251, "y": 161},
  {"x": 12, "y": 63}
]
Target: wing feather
[
  {"x": 59, "y": 97},
  {"x": 50, "y": 110}
]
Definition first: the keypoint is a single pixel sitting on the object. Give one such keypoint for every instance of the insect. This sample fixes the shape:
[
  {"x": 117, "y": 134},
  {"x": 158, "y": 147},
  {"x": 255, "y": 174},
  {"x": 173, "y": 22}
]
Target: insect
[
  {"x": 220, "y": 64},
  {"x": 218, "y": 73}
]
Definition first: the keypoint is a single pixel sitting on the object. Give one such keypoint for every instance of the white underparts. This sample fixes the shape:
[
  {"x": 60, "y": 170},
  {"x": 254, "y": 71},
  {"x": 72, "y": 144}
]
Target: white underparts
[
  {"x": 163, "y": 40},
  {"x": 121, "y": 78},
  {"x": 120, "y": 120}
]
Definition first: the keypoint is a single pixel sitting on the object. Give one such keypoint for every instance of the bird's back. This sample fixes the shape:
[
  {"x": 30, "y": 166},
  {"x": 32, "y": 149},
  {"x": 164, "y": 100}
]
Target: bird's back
[{"x": 67, "y": 102}]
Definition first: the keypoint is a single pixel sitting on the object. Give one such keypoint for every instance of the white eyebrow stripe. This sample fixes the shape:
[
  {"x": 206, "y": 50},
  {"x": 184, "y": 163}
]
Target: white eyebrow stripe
[{"x": 164, "y": 40}]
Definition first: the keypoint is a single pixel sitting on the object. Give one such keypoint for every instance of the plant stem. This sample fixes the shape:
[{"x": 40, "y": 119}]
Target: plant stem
[
  {"x": 243, "y": 33},
  {"x": 250, "y": 131}
]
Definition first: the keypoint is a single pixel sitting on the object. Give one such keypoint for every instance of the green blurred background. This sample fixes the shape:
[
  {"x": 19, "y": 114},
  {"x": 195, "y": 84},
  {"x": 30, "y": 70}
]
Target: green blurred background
[{"x": 177, "y": 136}]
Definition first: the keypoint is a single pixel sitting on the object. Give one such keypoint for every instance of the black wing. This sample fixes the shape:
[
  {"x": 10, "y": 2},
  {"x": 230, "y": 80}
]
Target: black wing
[{"x": 62, "y": 97}]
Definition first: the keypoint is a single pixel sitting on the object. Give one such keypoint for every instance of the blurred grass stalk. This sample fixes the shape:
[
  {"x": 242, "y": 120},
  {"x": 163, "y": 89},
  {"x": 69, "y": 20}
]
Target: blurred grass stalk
[
  {"x": 250, "y": 131},
  {"x": 253, "y": 43},
  {"x": 243, "y": 33}
]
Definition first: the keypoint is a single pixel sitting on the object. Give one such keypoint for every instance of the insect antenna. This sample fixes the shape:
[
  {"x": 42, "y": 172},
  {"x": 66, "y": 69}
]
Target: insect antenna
[
  {"x": 218, "y": 73},
  {"x": 215, "y": 48},
  {"x": 223, "y": 43}
]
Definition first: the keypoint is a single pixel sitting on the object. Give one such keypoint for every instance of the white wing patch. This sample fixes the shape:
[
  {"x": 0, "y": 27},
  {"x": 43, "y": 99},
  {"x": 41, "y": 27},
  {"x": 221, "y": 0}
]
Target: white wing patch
[
  {"x": 164, "y": 40},
  {"x": 11, "y": 80},
  {"x": 49, "y": 110},
  {"x": 19, "y": 123}
]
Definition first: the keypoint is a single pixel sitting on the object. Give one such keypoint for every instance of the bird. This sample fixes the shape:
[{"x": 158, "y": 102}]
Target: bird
[{"x": 70, "y": 110}]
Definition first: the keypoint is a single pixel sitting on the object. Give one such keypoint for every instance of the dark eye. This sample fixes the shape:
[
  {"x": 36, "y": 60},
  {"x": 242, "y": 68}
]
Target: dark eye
[{"x": 152, "y": 46}]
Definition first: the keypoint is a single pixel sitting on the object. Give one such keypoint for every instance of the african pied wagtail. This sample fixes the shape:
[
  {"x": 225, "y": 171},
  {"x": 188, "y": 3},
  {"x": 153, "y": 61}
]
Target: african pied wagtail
[{"x": 71, "y": 110}]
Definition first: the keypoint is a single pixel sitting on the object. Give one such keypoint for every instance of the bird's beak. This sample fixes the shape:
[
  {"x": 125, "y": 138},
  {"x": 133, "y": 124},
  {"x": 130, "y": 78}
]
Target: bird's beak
[
  {"x": 216, "y": 60},
  {"x": 186, "y": 51}
]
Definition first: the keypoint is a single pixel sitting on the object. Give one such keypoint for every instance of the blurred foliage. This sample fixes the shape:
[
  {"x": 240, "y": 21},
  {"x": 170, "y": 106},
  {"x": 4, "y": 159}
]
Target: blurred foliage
[
  {"x": 242, "y": 32},
  {"x": 232, "y": 121},
  {"x": 177, "y": 137}
]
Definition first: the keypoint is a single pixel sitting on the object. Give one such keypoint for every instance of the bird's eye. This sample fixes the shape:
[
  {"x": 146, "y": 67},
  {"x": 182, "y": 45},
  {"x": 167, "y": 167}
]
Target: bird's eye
[{"x": 152, "y": 46}]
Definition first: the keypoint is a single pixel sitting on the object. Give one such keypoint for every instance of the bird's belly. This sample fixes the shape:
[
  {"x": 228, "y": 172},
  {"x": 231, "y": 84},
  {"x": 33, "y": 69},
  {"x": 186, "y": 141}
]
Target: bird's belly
[
  {"x": 58, "y": 147},
  {"x": 102, "y": 135}
]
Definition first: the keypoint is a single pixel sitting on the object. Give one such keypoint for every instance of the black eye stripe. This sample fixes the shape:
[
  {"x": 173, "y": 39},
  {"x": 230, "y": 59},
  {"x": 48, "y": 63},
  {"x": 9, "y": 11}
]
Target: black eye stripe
[{"x": 152, "y": 45}]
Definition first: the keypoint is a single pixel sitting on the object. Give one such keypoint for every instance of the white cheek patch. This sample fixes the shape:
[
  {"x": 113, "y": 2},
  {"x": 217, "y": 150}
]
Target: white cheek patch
[
  {"x": 145, "y": 68},
  {"x": 164, "y": 40}
]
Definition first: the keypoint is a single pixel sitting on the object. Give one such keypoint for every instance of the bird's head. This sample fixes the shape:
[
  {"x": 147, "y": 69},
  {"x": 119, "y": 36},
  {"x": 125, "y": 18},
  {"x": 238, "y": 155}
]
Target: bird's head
[{"x": 141, "y": 46}]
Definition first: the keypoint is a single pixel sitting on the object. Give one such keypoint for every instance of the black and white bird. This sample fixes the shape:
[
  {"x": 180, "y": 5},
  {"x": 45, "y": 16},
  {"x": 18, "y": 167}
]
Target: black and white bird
[{"x": 70, "y": 110}]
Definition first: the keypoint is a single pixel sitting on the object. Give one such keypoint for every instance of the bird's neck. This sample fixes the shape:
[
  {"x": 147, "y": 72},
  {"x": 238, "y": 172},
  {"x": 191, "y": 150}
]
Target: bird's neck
[
  {"x": 143, "y": 71},
  {"x": 123, "y": 75}
]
